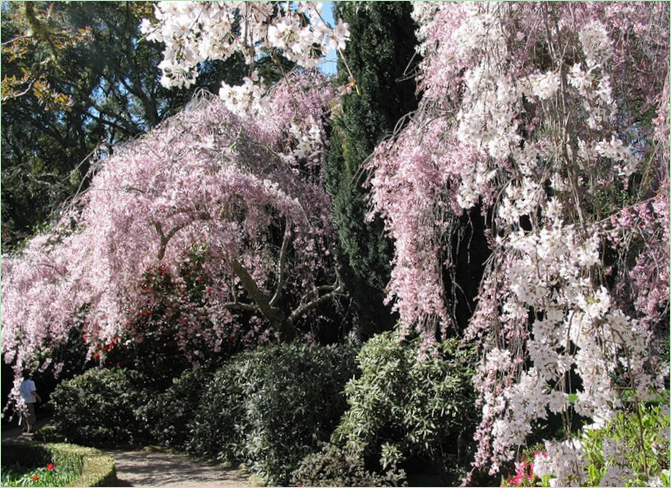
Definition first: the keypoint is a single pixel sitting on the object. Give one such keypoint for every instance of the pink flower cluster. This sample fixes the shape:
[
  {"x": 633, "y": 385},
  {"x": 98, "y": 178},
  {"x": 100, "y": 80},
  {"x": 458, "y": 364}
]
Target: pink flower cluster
[{"x": 524, "y": 472}]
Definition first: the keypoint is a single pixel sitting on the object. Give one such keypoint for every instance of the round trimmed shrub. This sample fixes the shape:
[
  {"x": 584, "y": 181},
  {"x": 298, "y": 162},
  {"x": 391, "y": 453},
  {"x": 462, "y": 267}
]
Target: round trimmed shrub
[{"x": 99, "y": 408}]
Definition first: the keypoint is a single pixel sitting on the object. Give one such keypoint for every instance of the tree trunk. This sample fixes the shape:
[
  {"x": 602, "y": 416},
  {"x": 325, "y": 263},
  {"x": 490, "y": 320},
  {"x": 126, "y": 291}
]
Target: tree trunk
[{"x": 273, "y": 314}]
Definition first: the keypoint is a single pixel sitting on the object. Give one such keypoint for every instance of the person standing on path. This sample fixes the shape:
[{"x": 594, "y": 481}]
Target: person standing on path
[{"x": 30, "y": 397}]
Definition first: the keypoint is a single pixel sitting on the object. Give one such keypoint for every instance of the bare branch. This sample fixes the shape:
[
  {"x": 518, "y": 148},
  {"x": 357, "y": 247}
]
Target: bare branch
[
  {"x": 338, "y": 290},
  {"x": 165, "y": 238},
  {"x": 245, "y": 307},
  {"x": 271, "y": 313},
  {"x": 282, "y": 264}
]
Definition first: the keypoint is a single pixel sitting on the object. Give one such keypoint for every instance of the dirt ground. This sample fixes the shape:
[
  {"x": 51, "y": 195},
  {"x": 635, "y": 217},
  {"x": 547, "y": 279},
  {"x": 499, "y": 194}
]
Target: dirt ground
[{"x": 143, "y": 468}]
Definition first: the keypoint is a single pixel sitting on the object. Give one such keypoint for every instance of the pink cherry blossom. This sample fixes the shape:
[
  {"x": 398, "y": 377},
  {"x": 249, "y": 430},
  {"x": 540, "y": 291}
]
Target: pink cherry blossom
[{"x": 231, "y": 190}]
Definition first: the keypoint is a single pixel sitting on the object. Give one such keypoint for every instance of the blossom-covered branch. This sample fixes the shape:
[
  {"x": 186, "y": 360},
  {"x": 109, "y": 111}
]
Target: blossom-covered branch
[
  {"x": 223, "y": 197},
  {"x": 550, "y": 120},
  {"x": 197, "y": 31}
]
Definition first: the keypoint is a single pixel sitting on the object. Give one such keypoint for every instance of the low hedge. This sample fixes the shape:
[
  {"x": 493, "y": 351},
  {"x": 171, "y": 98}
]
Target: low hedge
[{"x": 94, "y": 467}]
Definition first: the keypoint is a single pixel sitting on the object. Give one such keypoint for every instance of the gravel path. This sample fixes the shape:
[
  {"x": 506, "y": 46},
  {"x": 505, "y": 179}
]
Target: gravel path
[{"x": 143, "y": 468}]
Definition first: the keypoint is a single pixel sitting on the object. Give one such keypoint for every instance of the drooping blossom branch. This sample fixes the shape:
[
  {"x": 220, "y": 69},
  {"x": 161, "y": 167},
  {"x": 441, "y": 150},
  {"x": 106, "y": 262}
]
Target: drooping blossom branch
[
  {"x": 552, "y": 120},
  {"x": 197, "y": 31},
  {"x": 231, "y": 190}
]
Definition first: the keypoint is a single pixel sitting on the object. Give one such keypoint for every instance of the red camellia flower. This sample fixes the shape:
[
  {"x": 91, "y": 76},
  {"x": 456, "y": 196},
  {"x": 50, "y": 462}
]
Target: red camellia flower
[
  {"x": 50, "y": 466},
  {"x": 35, "y": 478}
]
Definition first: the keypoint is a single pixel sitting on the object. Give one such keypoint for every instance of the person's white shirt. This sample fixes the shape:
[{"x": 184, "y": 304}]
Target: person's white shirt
[{"x": 27, "y": 388}]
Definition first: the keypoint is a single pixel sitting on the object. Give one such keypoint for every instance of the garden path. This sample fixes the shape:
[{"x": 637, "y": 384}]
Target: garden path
[
  {"x": 147, "y": 467},
  {"x": 150, "y": 468}
]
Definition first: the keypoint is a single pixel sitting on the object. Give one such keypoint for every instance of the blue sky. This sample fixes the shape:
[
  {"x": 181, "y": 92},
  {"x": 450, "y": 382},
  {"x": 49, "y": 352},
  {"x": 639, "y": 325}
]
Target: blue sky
[{"x": 329, "y": 66}]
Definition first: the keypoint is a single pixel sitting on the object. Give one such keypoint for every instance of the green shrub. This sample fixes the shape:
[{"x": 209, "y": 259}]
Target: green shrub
[
  {"x": 271, "y": 407},
  {"x": 99, "y": 407},
  {"x": 632, "y": 447},
  {"x": 216, "y": 428},
  {"x": 92, "y": 466},
  {"x": 166, "y": 415},
  {"x": 405, "y": 405},
  {"x": 336, "y": 466}
]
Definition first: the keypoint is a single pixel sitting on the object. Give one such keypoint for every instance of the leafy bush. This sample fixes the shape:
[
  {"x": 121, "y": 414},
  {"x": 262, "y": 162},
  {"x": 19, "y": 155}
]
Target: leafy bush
[
  {"x": 342, "y": 466},
  {"x": 215, "y": 428},
  {"x": 99, "y": 407},
  {"x": 633, "y": 448},
  {"x": 405, "y": 404},
  {"x": 167, "y": 415},
  {"x": 271, "y": 407}
]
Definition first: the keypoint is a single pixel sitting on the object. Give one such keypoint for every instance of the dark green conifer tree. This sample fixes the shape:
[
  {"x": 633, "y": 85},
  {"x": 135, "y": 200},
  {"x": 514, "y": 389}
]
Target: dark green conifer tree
[{"x": 379, "y": 57}]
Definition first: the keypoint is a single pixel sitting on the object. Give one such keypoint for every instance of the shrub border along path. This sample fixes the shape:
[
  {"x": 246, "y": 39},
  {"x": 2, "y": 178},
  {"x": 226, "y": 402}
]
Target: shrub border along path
[{"x": 94, "y": 467}]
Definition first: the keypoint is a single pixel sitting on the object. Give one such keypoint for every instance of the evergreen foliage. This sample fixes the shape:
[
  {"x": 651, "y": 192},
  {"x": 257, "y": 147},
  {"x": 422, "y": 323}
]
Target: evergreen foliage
[
  {"x": 406, "y": 404},
  {"x": 381, "y": 49},
  {"x": 167, "y": 414},
  {"x": 342, "y": 466},
  {"x": 99, "y": 407},
  {"x": 272, "y": 406}
]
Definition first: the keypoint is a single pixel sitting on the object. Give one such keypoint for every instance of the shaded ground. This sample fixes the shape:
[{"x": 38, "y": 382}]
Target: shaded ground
[
  {"x": 10, "y": 430},
  {"x": 142, "y": 468}
]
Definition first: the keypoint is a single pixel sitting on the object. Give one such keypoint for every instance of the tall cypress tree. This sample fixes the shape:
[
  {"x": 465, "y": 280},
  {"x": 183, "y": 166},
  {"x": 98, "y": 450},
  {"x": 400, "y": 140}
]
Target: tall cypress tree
[{"x": 379, "y": 56}]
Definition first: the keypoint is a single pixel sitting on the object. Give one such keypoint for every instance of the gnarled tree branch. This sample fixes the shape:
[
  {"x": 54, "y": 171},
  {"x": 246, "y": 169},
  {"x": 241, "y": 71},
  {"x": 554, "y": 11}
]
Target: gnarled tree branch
[{"x": 336, "y": 290}]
